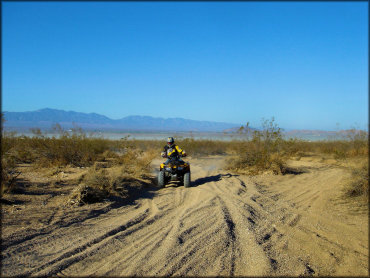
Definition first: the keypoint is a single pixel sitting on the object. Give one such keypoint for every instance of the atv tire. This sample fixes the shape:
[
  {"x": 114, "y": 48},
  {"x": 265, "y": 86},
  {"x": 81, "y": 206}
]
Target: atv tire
[
  {"x": 187, "y": 179},
  {"x": 161, "y": 179}
]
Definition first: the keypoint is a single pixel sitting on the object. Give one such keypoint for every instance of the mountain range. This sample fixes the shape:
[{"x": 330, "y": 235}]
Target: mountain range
[{"x": 46, "y": 118}]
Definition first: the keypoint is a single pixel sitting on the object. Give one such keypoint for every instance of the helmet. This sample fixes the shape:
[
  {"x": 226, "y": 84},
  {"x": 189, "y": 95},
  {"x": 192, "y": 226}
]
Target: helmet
[{"x": 170, "y": 141}]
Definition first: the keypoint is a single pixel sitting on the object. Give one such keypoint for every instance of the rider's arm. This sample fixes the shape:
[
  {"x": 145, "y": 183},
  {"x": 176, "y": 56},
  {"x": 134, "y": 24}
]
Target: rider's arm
[
  {"x": 164, "y": 153},
  {"x": 180, "y": 150}
]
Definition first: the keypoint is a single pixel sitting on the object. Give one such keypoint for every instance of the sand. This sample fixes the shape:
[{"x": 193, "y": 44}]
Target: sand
[{"x": 225, "y": 224}]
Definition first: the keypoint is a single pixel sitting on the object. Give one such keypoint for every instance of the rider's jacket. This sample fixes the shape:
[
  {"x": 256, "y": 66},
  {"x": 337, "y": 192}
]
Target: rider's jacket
[{"x": 172, "y": 151}]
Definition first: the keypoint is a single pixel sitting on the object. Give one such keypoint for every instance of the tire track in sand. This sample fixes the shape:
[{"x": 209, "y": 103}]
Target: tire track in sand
[{"x": 225, "y": 225}]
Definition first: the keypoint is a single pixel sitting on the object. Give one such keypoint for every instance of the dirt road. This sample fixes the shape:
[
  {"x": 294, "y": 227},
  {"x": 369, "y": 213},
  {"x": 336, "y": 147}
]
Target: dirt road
[{"x": 225, "y": 224}]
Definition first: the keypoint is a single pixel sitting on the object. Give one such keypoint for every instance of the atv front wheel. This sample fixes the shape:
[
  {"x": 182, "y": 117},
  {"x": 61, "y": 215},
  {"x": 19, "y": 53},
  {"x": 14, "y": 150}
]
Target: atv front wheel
[
  {"x": 187, "y": 179},
  {"x": 161, "y": 181}
]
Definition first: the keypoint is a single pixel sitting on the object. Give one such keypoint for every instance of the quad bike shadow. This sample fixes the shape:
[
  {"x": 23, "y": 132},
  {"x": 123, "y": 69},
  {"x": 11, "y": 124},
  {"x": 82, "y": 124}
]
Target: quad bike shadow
[{"x": 214, "y": 178}]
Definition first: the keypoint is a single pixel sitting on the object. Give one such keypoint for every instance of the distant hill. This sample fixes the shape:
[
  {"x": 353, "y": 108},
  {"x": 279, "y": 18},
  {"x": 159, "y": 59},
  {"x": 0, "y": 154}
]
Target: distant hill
[{"x": 45, "y": 118}]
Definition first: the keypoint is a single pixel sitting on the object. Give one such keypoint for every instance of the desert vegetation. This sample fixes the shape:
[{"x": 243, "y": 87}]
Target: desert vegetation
[
  {"x": 262, "y": 150},
  {"x": 112, "y": 163},
  {"x": 114, "y": 166},
  {"x": 267, "y": 150},
  {"x": 104, "y": 190}
]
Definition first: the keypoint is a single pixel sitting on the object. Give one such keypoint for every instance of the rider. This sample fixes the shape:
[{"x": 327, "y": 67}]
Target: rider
[{"x": 172, "y": 150}]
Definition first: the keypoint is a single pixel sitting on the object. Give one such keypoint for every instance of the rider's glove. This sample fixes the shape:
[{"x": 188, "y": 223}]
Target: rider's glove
[{"x": 163, "y": 154}]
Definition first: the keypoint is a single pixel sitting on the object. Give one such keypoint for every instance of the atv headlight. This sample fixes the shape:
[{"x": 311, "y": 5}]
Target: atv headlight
[
  {"x": 180, "y": 168},
  {"x": 168, "y": 168}
]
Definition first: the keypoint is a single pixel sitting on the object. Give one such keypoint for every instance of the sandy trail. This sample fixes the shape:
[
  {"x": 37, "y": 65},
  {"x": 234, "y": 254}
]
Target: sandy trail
[{"x": 224, "y": 224}]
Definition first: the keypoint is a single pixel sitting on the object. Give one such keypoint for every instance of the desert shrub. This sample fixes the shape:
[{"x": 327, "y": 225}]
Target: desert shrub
[
  {"x": 106, "y": 156},
  {"x": 354, "y": 144},
  {"x": 203, "y": 147},
  {"x": 359, "y": 183},
  {"x": 8, "y": 174},
  {"x": 118, "y": 165},
  {"x": 191, "y": 146},
  {"x": 136, "y": 162},
  {"x": 143, "y": 163},
  {"x": 74, "y": 148},
  {"x": 359, "y": 142},
  {"x": 98, "y": 185},
  {"x": 99, "y": 179},
  {"x": 85, "y": 194},
  {"x": 266, "y": 150},
  {"x": 8, "y": 163},
  {"x": 95, "y": 186},
  {"x": 117, "y": 175},
  {"x": 292, "y": 146}
]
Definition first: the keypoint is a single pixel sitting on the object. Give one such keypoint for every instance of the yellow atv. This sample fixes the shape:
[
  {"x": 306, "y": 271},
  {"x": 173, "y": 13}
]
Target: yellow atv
[{"x": 174, "y": 170}]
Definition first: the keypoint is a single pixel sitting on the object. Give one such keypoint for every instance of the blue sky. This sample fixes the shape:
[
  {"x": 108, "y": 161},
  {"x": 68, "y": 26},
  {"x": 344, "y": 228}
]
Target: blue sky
[{"x": 305, "y": 63}]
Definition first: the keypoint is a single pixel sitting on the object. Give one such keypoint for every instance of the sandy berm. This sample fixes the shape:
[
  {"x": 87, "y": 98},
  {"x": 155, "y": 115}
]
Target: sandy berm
[{"x": 225, "y": 224}]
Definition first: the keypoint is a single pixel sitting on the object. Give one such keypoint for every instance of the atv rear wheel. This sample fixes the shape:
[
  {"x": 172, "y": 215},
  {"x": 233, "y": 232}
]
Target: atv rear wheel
[
  {"x": 187, "y": 179},
  {"x": 161, "y": 180}
]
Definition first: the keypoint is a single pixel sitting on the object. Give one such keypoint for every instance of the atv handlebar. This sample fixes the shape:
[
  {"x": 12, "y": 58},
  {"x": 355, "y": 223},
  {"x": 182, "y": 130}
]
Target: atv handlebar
[{"x": 164, "y": 155}]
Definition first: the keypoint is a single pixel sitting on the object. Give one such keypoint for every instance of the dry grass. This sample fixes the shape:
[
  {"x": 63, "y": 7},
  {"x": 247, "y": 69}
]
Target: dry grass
[
  {"x": 359, "y": 182},
  {"x": 116, "y": 176},
  {"x": 263, "y": 150},
  {"x": 9, "y": 175},
  {"x": 193, "y": 147},
  {"x": 100, "y": 184},
  {"x": 74, "y": 149},
  {"x": 267, "y": 151},
  {"x": 203, "y": 147},
  {"x": 110, "y": 162}
]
